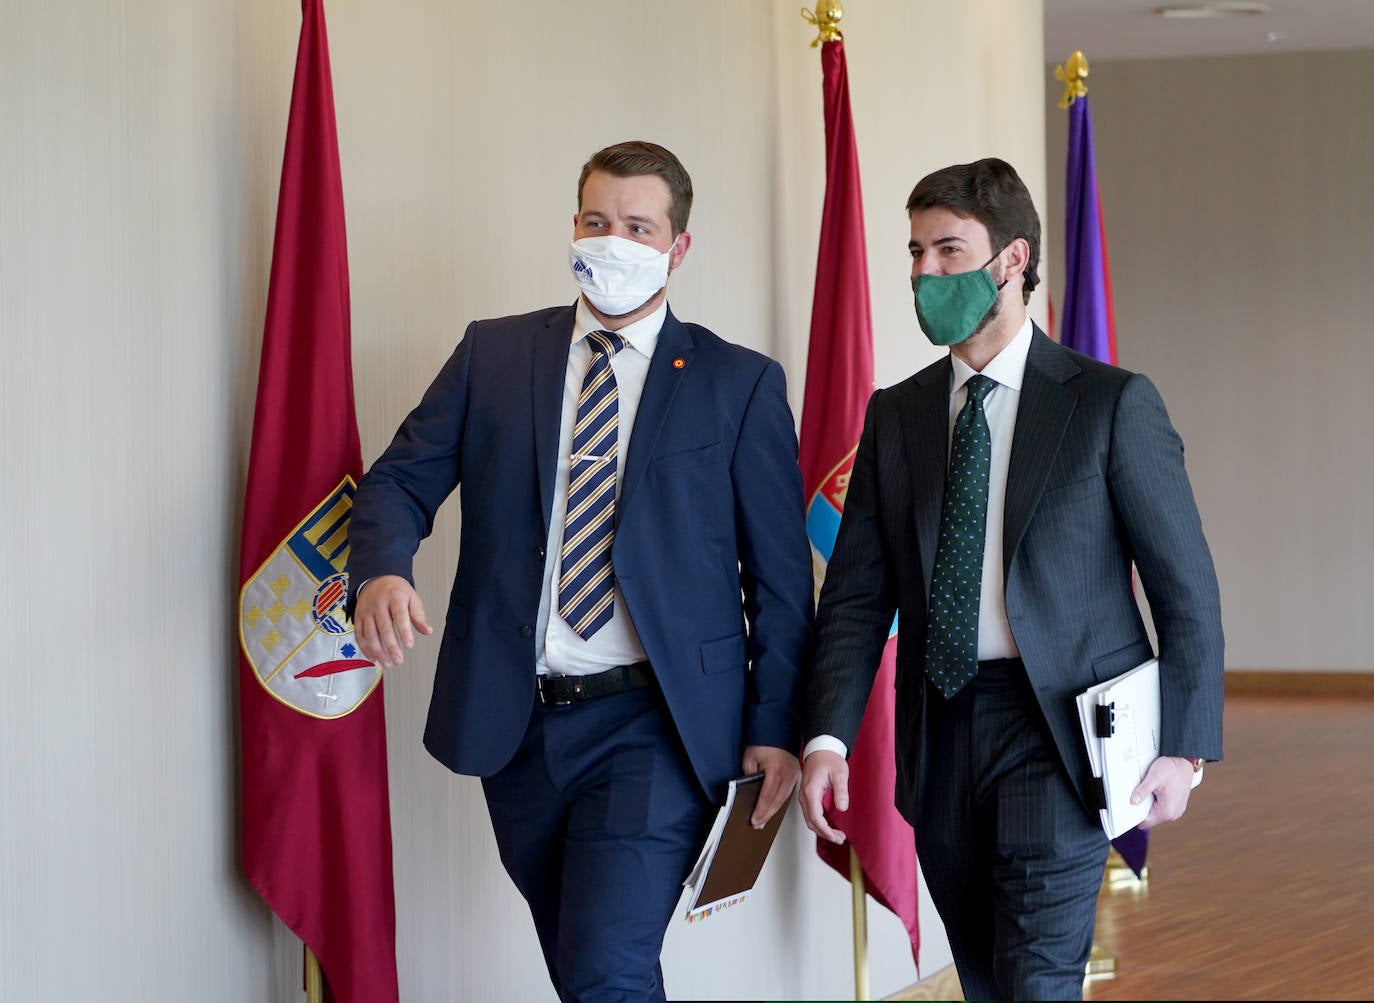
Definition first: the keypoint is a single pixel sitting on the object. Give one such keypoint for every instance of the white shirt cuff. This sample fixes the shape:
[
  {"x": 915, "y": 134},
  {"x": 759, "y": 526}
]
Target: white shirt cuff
[{"x": 827, "y": 742}]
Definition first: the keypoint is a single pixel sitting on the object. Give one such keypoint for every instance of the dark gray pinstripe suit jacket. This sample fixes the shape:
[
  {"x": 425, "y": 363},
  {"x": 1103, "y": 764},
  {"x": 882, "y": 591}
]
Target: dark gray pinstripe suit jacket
[{"x": 1096, "y": 482}]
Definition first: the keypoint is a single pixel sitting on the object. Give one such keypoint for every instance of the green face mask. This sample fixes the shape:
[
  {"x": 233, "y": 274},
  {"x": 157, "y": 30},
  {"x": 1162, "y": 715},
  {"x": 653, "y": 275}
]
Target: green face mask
[{"x": 950, "y": 307}]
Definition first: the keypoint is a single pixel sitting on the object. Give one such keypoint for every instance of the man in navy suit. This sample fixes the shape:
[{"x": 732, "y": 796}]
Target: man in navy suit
[
  {"x": 633, "y": 600},
  {"x": 1080, "y": 476}
]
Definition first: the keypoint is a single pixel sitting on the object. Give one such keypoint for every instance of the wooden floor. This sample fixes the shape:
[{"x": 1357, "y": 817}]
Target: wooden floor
[{"x": 1264, "y": 890}]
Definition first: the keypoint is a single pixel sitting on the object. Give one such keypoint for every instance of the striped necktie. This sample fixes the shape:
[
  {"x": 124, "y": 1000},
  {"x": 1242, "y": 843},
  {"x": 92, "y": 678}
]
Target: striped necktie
[
  {"x": 957, "y": 583},
  {"x": 586, "y": 586}
]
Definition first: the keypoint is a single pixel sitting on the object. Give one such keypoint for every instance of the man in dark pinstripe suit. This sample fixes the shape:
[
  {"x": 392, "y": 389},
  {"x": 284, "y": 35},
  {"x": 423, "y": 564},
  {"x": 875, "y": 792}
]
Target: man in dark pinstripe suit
[{"x": 1084, "y": 480}]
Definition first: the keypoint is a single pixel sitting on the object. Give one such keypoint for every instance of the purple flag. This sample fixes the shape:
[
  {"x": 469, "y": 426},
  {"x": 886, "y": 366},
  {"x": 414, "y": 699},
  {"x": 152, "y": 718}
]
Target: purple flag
[{"x": 1088, "y": 324}]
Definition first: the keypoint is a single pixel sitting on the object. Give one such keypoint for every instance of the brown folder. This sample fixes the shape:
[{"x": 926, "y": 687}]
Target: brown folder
[{"x": 733, "y": 854}]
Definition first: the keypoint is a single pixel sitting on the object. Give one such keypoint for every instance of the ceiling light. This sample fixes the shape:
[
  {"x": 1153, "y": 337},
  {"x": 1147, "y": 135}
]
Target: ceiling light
[
  {"x": 1202, "y": 11},
  {"x": 1187, "y": 11}
]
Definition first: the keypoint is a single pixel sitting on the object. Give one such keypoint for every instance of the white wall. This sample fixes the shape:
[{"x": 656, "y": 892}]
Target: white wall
[
  {"x": 1239, "y": 215},
  {"x": 140, "y": 145}
]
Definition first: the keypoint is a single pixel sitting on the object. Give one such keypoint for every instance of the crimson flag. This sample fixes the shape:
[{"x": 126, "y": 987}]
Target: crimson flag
[
  {"x": 316, "y": 825},
  {"x": 1088, "y": 323},
  {"x": 839, "y": 381}
]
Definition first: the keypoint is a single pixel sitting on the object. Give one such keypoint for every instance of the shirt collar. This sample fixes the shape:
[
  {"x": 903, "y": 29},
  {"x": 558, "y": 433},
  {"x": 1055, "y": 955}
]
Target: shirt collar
[
  {"x": 642, "y": 335},
  {"x": 1007, "y": 368}
]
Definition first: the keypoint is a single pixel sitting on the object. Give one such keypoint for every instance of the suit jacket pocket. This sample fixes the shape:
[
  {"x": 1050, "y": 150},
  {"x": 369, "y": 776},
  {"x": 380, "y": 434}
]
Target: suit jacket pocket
[
  {"x": 1063, "y": 494},
  {"x": 1122, "y": 660},
  {"x": 688, "y": 458},
  {"x": 457, "y": 623},
  {"x": 723, "y": 654}
]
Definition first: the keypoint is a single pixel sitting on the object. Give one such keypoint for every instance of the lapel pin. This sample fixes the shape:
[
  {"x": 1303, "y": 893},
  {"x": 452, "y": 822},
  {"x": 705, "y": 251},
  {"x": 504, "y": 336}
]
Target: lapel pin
[{"x": 679, "y": 363}]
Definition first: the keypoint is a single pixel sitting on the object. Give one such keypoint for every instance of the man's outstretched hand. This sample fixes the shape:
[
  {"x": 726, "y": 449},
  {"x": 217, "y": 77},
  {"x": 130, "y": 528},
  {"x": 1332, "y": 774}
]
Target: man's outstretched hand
[{"x": 388, "y": 613}]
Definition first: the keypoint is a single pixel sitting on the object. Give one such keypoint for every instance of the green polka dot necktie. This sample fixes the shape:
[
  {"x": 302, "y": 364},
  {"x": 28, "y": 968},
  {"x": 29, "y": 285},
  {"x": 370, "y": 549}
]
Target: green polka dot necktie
[
  {"x": 952, "y": 627},
  {"x": 586, "y": 587}
]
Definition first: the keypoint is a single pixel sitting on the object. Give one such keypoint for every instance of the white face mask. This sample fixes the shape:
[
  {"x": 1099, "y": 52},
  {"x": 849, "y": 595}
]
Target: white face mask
[{"x": 618, "y": 276}]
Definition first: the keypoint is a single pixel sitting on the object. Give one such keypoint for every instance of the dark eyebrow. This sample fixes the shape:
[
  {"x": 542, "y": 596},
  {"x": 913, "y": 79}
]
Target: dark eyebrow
[{"x": 911, "y": 245}]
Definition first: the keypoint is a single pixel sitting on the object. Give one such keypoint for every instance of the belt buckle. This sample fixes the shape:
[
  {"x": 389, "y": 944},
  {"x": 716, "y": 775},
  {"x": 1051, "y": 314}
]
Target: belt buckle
[{"x": 547, "y": 696}]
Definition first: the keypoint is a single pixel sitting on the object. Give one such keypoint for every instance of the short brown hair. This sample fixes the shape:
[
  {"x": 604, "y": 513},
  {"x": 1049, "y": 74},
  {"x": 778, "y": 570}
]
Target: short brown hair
[
  {"x": 991, "y": 192},
  {"x": 637, "y": 157}
]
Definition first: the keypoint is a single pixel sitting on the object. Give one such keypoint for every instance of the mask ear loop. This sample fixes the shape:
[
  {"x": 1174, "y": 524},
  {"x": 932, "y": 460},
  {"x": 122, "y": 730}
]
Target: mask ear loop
[
  {"x": 669, "y": 252},
  {"x": 991, "y": 260}
]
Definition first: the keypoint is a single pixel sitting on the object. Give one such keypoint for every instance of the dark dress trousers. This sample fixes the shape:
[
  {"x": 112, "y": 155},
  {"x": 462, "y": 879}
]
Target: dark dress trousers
[
  {"x": 1095, "y": 484},
  {"x": 710, "y": 555}
]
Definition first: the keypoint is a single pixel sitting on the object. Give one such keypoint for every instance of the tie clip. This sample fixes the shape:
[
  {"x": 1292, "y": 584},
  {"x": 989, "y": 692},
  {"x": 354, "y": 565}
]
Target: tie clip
[{"x": 575, "y": 457}]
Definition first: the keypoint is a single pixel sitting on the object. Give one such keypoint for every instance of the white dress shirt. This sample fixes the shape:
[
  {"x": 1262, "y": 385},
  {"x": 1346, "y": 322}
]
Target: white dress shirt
[
  {"x": 560, "y": 649},
  {"x": 1007, "y": 369}
]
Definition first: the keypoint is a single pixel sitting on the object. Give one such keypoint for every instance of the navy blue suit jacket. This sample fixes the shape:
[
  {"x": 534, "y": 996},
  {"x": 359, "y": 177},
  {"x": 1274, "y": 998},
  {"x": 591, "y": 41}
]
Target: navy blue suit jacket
[
  {"x": 710, "y": 549},
  {"x": 1095, "y": 485}
]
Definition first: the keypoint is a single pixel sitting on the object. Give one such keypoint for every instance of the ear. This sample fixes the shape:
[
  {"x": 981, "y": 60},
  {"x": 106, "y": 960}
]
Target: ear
[
  {"x": 1015, "y": 257},
  {"x": 680, "y": 246}
]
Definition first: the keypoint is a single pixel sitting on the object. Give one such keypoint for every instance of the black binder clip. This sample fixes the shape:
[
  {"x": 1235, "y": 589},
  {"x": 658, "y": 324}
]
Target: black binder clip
[
  {"x": 1098, "y": 792},
  {"x": 1105, "y": 720}
]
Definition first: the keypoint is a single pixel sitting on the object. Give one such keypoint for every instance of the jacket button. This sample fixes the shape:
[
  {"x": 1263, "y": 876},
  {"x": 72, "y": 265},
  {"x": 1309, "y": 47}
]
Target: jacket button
[{"x": 526, "y": 631}]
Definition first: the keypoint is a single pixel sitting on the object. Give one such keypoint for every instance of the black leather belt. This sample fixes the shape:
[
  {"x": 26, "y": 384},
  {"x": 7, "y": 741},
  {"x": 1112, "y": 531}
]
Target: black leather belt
[{"x": 558, "y": 691}]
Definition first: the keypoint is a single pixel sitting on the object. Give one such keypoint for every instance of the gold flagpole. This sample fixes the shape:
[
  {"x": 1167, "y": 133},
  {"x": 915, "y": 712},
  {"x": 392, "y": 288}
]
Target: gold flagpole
[
  {"x": 859, "y": 894},
  {"x": 1073, "y": 73},
  {"x": 1120, "y": 875},
  {"x": 314, "y": 978},
  {"x": 826, "y": 18}
]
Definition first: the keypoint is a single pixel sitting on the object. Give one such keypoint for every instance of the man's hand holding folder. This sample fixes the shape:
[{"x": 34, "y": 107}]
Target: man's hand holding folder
[
  {"x": 1169, "y": 781},
  {"x": 1121, "y": 725},
  {"x": 780, "y": 771}
]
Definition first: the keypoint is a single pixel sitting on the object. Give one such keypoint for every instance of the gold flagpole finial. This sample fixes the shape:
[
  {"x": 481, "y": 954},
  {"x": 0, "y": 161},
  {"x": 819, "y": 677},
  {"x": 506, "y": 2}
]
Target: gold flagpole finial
[
  {"x": 1072, "y": 73},
  {"x": 826, "y": 19}
]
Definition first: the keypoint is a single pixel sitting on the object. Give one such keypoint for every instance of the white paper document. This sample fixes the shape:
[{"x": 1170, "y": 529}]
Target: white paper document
[{"x": 1120, "y": 721}]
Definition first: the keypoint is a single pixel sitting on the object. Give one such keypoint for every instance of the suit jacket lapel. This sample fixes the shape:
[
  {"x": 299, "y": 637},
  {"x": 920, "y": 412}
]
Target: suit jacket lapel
[
  {"x": 1041, "y": 418},
  {"x": 548, "y": 373},
  {"x": 925, "y": 429},
  {"x": 672, "y": 359}
]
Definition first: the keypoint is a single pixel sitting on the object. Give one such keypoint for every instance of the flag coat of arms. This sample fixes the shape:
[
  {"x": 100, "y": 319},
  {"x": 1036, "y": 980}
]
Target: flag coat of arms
[{"x": 293, "y": 628}]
